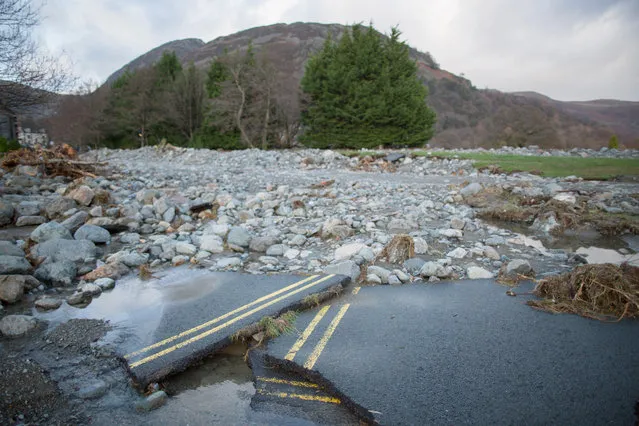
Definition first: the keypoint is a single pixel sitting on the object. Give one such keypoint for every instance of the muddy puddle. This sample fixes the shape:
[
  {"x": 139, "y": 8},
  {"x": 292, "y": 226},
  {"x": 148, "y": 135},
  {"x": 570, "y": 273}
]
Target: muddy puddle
[{"x": 596, "y": 248}]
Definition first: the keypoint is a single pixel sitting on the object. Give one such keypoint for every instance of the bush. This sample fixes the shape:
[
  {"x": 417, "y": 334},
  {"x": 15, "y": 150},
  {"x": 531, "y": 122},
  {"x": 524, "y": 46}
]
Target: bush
[
  {"x": 613, "y": 143},
  {"x": 8, "y": 145}
]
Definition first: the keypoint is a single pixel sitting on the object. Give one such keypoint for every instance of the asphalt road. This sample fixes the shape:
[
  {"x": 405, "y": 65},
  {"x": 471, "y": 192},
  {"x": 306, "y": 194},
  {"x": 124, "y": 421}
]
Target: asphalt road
[
  {"x": 191, "y": 328},
  {"x": 465, "y": 353}
]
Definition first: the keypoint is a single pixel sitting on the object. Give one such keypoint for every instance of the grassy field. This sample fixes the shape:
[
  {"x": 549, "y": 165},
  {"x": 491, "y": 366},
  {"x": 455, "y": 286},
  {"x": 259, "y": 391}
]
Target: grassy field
[{"x": 587, "y": 168}]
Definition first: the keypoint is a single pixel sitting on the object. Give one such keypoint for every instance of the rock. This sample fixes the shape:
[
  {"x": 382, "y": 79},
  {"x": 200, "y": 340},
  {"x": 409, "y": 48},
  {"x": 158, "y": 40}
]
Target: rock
[
  {"x": 130, "y": 258},
  {"x": 105, "y": 283},
  {"x": 470, "y": 189},
  {"x": 348, "y": 268},
  {"x": 373, "y": 279},
  {"x": 113, "y": 270},
  {"x": 185, "y": 248},
  {"x": 298, "y": 240},
  {"x": 96, "y": 211},
  {"x": 57, "y": 273},
  {"x": 276, "y": 250},
  {"x": 212, "y": 244},
  {"x": 380, "y": 272},
  {"x": 394, "y": 280},
  {"x": 58, "y": 206},
  {"x": 146, "y": 196},
  {"x": 261, "y": 244},
  {"x": 17, "y": 325},
  {"x": 291, "y": 253},
  {"x": 161, "y": 205},
  {"x": 11, "y": 288},
  {"x": 335, "y": 228},
  {"x": 451, "y": 233},
  {"x": 59, "y": 249},
  {"x": 239, "y": 236},
  {"x": 566, "y": 197},
  {"x": 495, "y": 240},
  {"x": 457, "y": 223},
  {"x": 155, "y": 400},
  {"x": 414, "y": 265},
  {"x": 394, "y": 157},
  {"x": 403, "y": 277},
  {"x": 430, "y": 269},
  {"x": 169, "y": 215},
  {"x": 79, "y": 298},
  {"x": 367, "y": 254},
  {"x": 48, "y": 231},
  {"x": 130, "y": 238},
  {"x": 48, "y": 303},
  {"x": 91, "y": 289},
  {"x": 458, "y": 253},
  {"x": 28, "y": 208},
  {"x": 269, "y": 260},
  {"x": 7, "y": 248},
  {"x": 518, "y": 267},
  {"x": 83, "y": 195},
  {"x": 92, "y": 233},
  {"x": 228, "y": 262},
  {"x": 347, "y": 251},
  {"x": 76, "y": 221},
  {"x": 545, "y": 223},
  {"x": 14, "y": 265},
  {"x": 6, "y": 213},
  {"x": 476, "y": 273},
  {"x": 401, "y": 226},
  {"x": 93, "y": 390},
  {"x": 491, "y": 253},
  {"x": 217, "y": 229},
  {"x": 30, "y": 220}
]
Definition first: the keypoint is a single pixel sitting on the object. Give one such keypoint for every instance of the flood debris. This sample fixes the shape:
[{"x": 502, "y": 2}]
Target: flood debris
[
  {"x": 400, "y": 249},
  {"x": 593, "y": 291},
  {"x": 58, "y": 161}
]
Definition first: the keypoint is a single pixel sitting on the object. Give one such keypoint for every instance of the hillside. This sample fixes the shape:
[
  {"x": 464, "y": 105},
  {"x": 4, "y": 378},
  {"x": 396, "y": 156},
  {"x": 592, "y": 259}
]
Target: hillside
[{"x": 467, "y": 116}]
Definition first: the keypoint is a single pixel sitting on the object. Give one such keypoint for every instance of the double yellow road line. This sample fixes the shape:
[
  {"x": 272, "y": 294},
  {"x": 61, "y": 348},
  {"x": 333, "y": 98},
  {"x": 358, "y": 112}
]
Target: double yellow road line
[{"x": 263, "y": 303}]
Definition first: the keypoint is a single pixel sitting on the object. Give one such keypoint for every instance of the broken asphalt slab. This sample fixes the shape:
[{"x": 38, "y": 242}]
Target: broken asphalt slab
[
  {"x": 464, "y": 353},
  {"x": 192, "y": 322}
]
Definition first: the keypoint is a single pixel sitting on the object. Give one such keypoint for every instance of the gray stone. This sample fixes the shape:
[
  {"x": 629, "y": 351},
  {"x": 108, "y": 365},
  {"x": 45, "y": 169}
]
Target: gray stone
[
  {"x": 373, "y": 279},
  {"x": 421, "y": 246},
  {"x": 228, "y": 262},
  {"x": 17, "y": 325},
  {"x": 545, "y": 223},
  {"x": 495, "y": 240},
  {"x": 129, "y": 258},
  {"x": 28, "y": 208},
  {"x": 185, "y": 249},
  {"x": 212, "y": 244},
  {"x": 239, "y": 236},
  {"x": 83, "y": 195},
  {"x": 335, "y": 228},
  {"x": 48, "y": 231},
  {"x": 457, "y": 223},
  {"x": 11, "y": 288},
  {"x": 14, "y": 265},
  {"x": 161, "y": 205},
  {"x": 269, "y": 260},
  {"x": 219, "y": 229},
  {"x": 458, "y": 253},
  {"x": 261, "y": 244},
  {"x": 96, "y": 211},
  {"x": 347, "y": 251},
  {"x": 7, "y": 248},
  {"x": 79, "y": 298},
  {"x": 58, "y": 206},
  {"x": 394, "y": 280},
  {"x": 414, "y": 265},
  {"x": 470, "y": 189},
  {"x": 93, "y": 233},
  {"x": 152, "y": 402},
  {"x": 105, "y": 283},
  {"x": 383, "y": 273},
  {"x": 451, "y": 233},
  {"x": 348, "y": 268},
  {"x": 76, "y": 221},
  {"x": 30, "y": 220},
  {"x": 367, "y": 254},
  {"x": 401, "y": 226},
  {"x": 169, "y": 214},
  {"x": 430, "y": 269},
  {"x": 297, "y": 240},
  {"x": 93, "y": 390},
  {"x": 403, "y": 277},
  {"x": 91, "y": 289},
  {"x": 518, "y": 267},
  {"x": 291, "y": 253},
  {"x": 476, "y": 273},
  {"x": 276, "y": 250},
  {"x": 491, "y": 253},
  {"x": 57, "y": 273},
  {"x": 6, "y": 213},
  {"x": 48, "y": 303},
  {"x": 59, "y": 249}
]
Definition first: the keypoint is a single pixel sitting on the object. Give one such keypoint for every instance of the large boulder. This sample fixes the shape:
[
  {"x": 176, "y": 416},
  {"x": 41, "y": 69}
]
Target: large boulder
[
  {"x": 347, "y": 251},
  {"x": 7, "y": 248},
  {"x": 57, "y": 273},
  {"x": 59, "y": 249},
  {"x": 83, "y": 195},
  {"x": 348, "y": 268},
  {"x": 518, "y": 267},
  {"x": 336, "y": 228},
  {"x": 93, "y": 233},
  {"x": 211, "y": 243},
  {"x": 113, "y": 270},
  {"x": 11, "y": 288},
  {"x": 58, "y": 206},
  {"x": 49, "y": 231},
  {"x": 28, "y": 208},
  {"x": 17, "y": 325},
  {"x": 261, "y": 244},
  {"x": 75, "y": 221},
  {"x": 239, "y": 236},
  {"x": 30, "y": 220},
  {"x": 14, "y": 265},
  {"x": 6, "y": 213},
  {"x": 470, "y": 189},
  {"x": 476, "y": 273}
]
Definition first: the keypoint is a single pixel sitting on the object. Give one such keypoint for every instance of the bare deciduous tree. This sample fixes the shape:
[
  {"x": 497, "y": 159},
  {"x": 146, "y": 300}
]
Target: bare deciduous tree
[
  {"x": 188, "y": 101},
  {"x": 27, "y": 74}
]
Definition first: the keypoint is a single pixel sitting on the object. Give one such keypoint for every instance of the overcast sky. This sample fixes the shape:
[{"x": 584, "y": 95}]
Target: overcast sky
[{"x": 566, "y": 49}]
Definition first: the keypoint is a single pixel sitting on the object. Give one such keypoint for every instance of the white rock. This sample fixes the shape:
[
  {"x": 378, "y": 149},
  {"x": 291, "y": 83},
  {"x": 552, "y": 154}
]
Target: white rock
[
  {"x": 476, "y": 273},
  {"x": 421, "y": 246},
  {"x": 291, "y": 253},
  {"x": 451, "y": 233},
  {"x": 347, "y": 251},
  {"x": 458, "y": 253}
]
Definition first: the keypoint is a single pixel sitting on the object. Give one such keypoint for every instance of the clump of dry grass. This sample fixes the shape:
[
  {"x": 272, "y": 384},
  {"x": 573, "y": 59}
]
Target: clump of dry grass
[
  {"x": 593, "y": 291},
  {"x": 400, "y": 248},
  {"x": 144, "y": 272}
]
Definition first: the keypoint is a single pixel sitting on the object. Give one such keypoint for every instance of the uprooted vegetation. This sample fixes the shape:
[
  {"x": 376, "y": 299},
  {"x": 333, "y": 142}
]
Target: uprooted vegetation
[
  {"x": 400, "y": 249},
  {"x": 593, "y": 291},
  {"x": 500, "y": 204},
  {"x": 58, "y": 161}
]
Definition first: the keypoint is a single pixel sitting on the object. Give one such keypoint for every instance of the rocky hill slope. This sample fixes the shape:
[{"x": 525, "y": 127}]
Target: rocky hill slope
[{"x": 467, "y": 116}]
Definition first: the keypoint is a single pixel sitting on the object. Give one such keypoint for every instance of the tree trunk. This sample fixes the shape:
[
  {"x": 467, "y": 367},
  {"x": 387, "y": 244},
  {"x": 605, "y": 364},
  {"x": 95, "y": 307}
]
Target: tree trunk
[
  {"x": 240, "y": 111},
  {"x": 267, "y": 117}
]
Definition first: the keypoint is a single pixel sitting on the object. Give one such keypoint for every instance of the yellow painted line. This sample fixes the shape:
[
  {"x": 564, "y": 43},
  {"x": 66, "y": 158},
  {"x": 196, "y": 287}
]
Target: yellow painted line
[
  {"x": 220, "y": 318},
  {"x": 302, "y": 339},
  {"x": 226, "y": 324},
  {"x": 356, "y": 290},
  {"x": 288, "y": 382},
  {"x": 305, "y": 397},
  {"x": 312, "y": 358}
]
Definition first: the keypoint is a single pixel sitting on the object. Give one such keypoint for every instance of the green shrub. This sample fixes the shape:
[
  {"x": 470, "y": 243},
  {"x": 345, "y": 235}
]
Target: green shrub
[
  {"x": 613, "y": 143},
  {"x": 8, "y": 145}
]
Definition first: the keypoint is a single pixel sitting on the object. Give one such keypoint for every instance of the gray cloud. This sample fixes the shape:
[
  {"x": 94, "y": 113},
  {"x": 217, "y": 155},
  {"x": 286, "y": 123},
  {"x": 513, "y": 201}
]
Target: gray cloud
[{"x": 567, "y": 49}]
